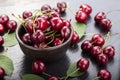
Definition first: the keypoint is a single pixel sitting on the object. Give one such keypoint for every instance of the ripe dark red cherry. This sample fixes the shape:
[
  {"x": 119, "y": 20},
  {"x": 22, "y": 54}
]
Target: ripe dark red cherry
[
  {"x": 75, "y": 38},
  {"x": 38, "y": 67},
  {"x": 42, "y": 24},
  {"x": 46, "y": 7},
  {"x": 67, "y": 23},
  {"x": 62, "y": 6},
  {"x": 26, "y": 14},
  {"x": 86, "y": 45},
  {"x": 86, "y": 8},
  {"x": 109, "y": 51},
  {"x": 1, "y": 41},
  {"x": 52, "y": 78},
  {"x": 56, "y": 23},
  {"x": 57, "y": 41},
  {"x": 99, "y": 16},
  {"x": 81, "y": 16},
  {"x": 65, "y": 32},
  {"x": 11, "y": 25},
  {"x": 95, "y": 51},
  {"x": 98, "y": 40},
  {"x": 57, "y": 10},
  {"x": 45, "y": 16},
  {"x": 2, "y": 72},
  {"x": 104, "y": 75},
  {"x": 29, "y": 26},
  {"x": 1, "y": 29},
  {"x": 38, "y": 37},
  {"x": 83, "y": 64},
  {"x": 102, "y": 59},
  {"x": 54, "y": 14},
  {"x": 4, "y": 19},
  {"x": 26, "y": 38},
  {"x": 106, "y": 24}
]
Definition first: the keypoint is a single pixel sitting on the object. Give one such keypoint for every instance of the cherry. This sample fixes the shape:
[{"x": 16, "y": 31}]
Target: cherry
[
  {"x": 4, "y": 19},
  {"x": 26, "y": 38},
  {"x": 11, "y": 25},
  {"x": 38, "y": 67},
  {"x": 86, "y": 45},
  {"x": 45, "y": 16},
  {"x": 65, "y": 32},
  {"x": 67, "y": 23},
  {"x": 46, "y": 7},
  {"x": 57, "y": 10},
  {"x": 42, "y": 23},
  {"x": 106, "y": 24},
  {"x": 81, "y": 16},
  {"x": 83, "y": 64},
  {"x": 2, "y": 72},
  {"x": 54, "y": 14},
  {"x": 98, "y": 40},
  {"x": 75, "y": 38},
  {"x": 38, "y": 37},
  {"x": 95, "y": 51},
  {"x": 104, "y": 75},
  {"x": 57, "y": 41},
  {"x": 1, "y": 29},
  {"x": 1, "y": 41},
  {"x": 109, "y": 51},
  {"x": 56, "y": 23},
  {"x": 99, "y": 16},
  {"x": 52, "y": 78},
  {"x": 29, "y": 26},
  {"x": 102, "y": 59},
  {"x": 26, "y": 14},
  {"x": 86, "y": 8},
  {"x": 62, "y": 6}
]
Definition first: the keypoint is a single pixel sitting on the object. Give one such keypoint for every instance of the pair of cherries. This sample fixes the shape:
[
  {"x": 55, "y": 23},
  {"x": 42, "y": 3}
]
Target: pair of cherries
[
  {"x": 5, "y": 23},
  {"x": 94, "y": 47},
  {"x": 83, "y": 13}
]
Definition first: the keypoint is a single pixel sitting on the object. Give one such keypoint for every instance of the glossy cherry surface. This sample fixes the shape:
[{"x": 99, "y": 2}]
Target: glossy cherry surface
[
  {"x": 75, "y": 38},
  {"x": 52, "y": 78},
  {"x": 99, "y": 16},
  {"x": 11, "y": 25},
  {"x": 102, "y": 59},
  {"x": 86, "y": 45},
  {"x": 4, "y": 19},
  {"x": 26, "y": 14},
  {"x": 1, "y": 29},
  {"x": 2, "y": 72}
]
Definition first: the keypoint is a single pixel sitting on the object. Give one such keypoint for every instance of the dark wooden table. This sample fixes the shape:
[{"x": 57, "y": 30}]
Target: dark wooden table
[{"x": 22, "y": 64}]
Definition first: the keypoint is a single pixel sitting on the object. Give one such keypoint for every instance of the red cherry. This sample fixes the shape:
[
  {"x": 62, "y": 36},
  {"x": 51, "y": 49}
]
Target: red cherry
[
  {"x": 2, "y": 72},
  {"x": 86, "y": 8},
  {"x": 38, "y": 67},
  {"x": 1, "y": 29},
  {"x": 86, "y": 45},
  {"x": 83, "y": 64},
  {"x": 57, "y": 41},
  {"x": 52, "y": 78},
  {"x": 46, "y": 7},
  {"x": 109, "y": 51},
  {"x": 54, "y": 14},
  {"x": 104, "y": 75},
  {"x": 102, "y": 59},
  {"x": 29, "y": 26},
  {"x": 75, "y": 38},
  {"x": 1, "y": 41},
  {"x": 11, "y": 25},
  {"x": 4, "y": 19},
  {"x": 57, "y": 10},
  {"x": 67, "y": 23},
  {"x": 26, "y": 14},
  {"x": 81, "y": 16},
  {"x": 26, "y": 38},
  {"x": 106, "y": 24},
  {"x": 62, "y": 6},
  {"x": 99, "y": 16}
]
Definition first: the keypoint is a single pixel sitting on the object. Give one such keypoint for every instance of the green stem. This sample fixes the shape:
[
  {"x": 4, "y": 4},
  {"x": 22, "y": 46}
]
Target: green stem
[
  {"x": 50, "y": 41},
  {"x": 107, "y": 39},
  {"x": 95, "y": 78},
  {"x": 46, "y": 74},
  {"x": 49, "y": 32}
]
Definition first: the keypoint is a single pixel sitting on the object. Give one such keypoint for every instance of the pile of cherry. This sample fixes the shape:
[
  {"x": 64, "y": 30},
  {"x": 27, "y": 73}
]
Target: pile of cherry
[
  {"x": 49, "y": 28},
  {"x": 6, "y": 25}
]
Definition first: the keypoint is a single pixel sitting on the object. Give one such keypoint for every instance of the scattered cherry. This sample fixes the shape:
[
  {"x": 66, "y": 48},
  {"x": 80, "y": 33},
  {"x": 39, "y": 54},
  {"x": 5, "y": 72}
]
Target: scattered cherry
[
  {"x": 81, "y": 16},
  {"x": 109, "y": 51},
  {"x": 2, "y": 72},
  {"x": 104, "y": 75},
  {"x": 38, "y": 67},
  {"x": 99, "y": 16},
  {"x": 75, "y": 38},
  {"x": 52, "y": 78},
  {"x": 1, "y": 29},
  {"x": 83, "y": 64},
  {"x": 62, "y": 6},
  {"x": 11, "y": 25},
  {"x": 102, "y": 59},
  {"x": 1, "y": 41},
  {"x": 4, "y": 19},
  {"x": 86, "y": 8},
  {"x": 26, "y": 14},
  {"x": 46, "y": 7},
  {"x": 86, "y": 45}
]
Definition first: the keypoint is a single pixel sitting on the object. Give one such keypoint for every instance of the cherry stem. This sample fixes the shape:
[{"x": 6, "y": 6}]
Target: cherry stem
[
  {"x": 50, "y": 41},
  {"x": 21, "y": 21},
  {"x": 71, "y": 73},
  {"x": 5, "y": 51},
  {"x": 49, "y": 32},
  {"x": 46, "y": 74},
  {"x": 96, "y": 78},
  {"x": 107, "y": 39}
]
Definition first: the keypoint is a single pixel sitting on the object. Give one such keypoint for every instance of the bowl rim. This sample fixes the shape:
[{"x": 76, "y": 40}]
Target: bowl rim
[{"x": 41, "y": 49}]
